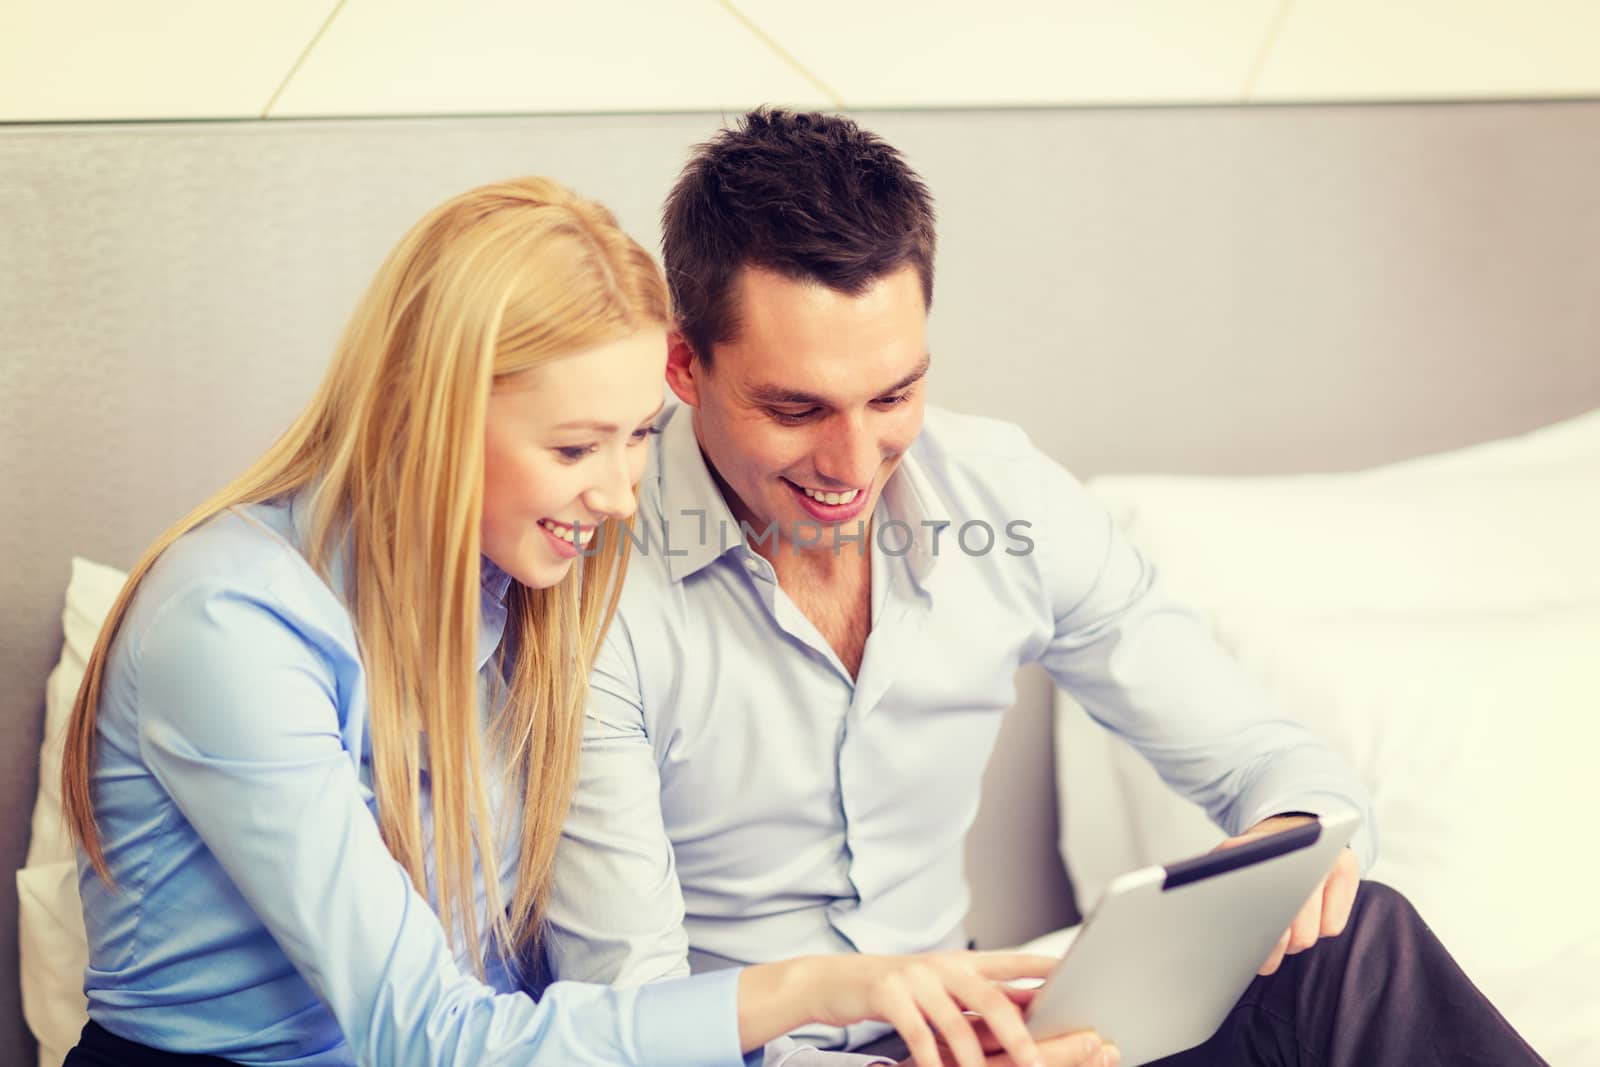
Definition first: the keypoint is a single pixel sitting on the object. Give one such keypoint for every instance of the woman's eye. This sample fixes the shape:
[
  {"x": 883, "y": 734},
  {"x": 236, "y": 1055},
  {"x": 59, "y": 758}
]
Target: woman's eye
[
  {"x": 644, "y": 432},
  {"x": 573, "y": 453}
]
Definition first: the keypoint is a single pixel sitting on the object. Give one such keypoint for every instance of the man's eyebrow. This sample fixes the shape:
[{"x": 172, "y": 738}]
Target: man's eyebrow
[
  {"x": 911, "y": 379},
  {"x": 777, "y": 394},
  {"x": 607, "y": 427}
]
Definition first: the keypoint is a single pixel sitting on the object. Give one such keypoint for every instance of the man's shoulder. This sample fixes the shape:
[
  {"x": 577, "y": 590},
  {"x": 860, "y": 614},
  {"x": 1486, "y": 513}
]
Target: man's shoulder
[
  {"x": 963, "y": 454},
  {"x": 956, "y": 437},
  {"x": 649, "y": 588}
]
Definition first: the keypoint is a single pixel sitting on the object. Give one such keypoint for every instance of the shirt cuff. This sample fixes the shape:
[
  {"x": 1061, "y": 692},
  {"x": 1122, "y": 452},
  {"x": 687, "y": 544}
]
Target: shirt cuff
[
  {"x": 691, "y": 1022},
  {"x": 815, "y": 1057},
  {"x": 787, "y": 1052},
  {"x": 1364, "y": 843}
]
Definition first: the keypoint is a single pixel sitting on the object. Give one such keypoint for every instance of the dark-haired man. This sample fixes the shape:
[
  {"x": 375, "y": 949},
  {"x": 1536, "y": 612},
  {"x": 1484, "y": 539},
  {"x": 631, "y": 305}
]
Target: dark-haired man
[{"x": 793, "y": 710}]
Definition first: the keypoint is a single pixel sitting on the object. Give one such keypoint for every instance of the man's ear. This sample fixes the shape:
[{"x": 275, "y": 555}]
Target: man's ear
[{"x": 684, "y": 369}]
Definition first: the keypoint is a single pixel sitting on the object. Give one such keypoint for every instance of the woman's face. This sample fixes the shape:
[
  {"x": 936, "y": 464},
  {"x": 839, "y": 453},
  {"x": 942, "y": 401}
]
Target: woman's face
[{"x": 564, "y": 445}]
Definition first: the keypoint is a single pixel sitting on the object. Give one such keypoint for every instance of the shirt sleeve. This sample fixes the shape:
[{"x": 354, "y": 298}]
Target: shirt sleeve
[
  {"x": 1149, "y": 669},
  {"x": 616, "y": 910},
  {"x": 786, "y": 1052},
  {"x": 239, "y": 721}
]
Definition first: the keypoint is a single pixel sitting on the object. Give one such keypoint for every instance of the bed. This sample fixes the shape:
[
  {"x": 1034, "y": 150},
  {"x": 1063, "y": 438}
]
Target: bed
[{"x": 1216, "y": 293}]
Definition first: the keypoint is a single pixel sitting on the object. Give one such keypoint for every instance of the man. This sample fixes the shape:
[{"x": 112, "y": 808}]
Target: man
[{"x": 836, "y": 586}]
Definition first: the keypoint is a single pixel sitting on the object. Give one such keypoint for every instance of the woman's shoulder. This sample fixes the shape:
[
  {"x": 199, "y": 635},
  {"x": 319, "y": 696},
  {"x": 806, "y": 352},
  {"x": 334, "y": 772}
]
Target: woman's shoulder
[
  {"x": 247, "y": 554},
  {"x": 228, "y": 616}
]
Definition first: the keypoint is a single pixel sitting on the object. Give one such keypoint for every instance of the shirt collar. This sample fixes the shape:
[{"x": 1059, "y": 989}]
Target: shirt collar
[
  {"x": 697, "y": 526},
  {"x": 494, "y": 581},
  {"x": 491, "y": 608},
  {"x": 909, "y": 497}
]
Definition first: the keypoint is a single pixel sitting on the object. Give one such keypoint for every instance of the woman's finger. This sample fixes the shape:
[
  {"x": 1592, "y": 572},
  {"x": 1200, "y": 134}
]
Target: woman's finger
[
  {"x": 1005, "y": 966},
  {"x": 999, "y": 1011},
  {"x": 1079, "y": 1049},
  {"x": 932, "y": 991},
  {"x": 1021, "y": 996},
  {"x": 898, "y": 1007},
  {"x": 986, "y": 1039}
]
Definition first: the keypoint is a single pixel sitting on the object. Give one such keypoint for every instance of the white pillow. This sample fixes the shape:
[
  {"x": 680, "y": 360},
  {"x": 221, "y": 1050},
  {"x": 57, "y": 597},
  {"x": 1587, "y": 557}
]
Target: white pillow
[
  {"x": 1342, "y": 545},
  {"x": 1570, "y": 445},
  {"x": 1437, "y": 622},
  {"x": 55, "y": 953},
  {"x": 53, "y": 946},
  {"x": 91, "y": 593}
]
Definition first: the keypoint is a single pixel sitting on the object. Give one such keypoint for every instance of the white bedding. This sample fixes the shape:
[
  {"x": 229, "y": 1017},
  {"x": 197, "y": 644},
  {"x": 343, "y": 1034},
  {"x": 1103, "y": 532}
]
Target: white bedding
[{"x": 1437, "y": 621}]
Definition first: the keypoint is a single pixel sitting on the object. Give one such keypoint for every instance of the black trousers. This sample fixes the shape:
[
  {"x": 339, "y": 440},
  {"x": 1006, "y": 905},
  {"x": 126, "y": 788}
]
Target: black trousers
[
  {"x": 99, "y": 1047},
  {"x": 1385, "y": 993}
]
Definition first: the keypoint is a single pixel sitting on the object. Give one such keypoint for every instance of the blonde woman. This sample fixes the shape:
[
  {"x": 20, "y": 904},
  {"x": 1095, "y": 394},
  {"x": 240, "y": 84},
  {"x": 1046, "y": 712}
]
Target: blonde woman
[{"x": 320, "y": 760}]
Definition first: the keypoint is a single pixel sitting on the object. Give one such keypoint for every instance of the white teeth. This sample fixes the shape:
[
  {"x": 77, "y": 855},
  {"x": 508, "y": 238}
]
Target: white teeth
[
  {"x": 831, "y": 498},
  {"x": 566, "y": 532}
]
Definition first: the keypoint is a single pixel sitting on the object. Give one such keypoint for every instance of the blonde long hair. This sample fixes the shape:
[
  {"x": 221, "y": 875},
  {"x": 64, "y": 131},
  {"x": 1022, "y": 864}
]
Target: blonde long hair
[{"x": 390, "y": 450}]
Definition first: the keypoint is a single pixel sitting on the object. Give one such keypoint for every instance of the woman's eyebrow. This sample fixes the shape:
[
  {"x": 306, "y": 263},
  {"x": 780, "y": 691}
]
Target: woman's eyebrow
[{"x": 605, "y": 427}]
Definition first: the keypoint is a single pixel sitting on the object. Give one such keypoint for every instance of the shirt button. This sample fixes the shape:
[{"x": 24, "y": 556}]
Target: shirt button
[{"x": 754, "y": 565}]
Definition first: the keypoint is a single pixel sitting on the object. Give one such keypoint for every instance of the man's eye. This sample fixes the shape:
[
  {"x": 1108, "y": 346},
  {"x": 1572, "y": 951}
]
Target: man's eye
[
  {"x": 893, "y": 399},
  {"x": 792, "y": 418}
]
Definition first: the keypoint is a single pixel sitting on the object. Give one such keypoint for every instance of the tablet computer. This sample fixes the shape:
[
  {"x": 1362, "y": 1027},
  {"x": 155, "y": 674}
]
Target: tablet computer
[{"x": 1168, "y": 951}]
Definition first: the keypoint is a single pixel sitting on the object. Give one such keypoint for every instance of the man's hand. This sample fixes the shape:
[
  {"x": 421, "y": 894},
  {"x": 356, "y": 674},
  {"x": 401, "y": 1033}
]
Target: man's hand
[{"x": 1325, "y": 911}]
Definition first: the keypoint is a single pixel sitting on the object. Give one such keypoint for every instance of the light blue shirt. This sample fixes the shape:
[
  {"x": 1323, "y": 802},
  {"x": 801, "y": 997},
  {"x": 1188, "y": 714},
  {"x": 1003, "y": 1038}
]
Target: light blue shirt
[
  {"x": 742, "y": 795},
  {"x": 259, "y": 916}
]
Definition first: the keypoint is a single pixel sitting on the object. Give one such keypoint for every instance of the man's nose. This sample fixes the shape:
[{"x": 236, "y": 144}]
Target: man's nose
[{"x": 849, "y": 455}]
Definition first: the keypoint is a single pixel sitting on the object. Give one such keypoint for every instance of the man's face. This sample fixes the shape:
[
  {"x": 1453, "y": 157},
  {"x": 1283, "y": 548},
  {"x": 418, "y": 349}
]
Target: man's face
[{"x": 805, "y": 414}]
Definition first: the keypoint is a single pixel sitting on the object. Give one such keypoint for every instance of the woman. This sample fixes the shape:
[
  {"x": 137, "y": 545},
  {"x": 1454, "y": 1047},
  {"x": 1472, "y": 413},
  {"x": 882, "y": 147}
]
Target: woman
[{"x": 321, "y": 756}]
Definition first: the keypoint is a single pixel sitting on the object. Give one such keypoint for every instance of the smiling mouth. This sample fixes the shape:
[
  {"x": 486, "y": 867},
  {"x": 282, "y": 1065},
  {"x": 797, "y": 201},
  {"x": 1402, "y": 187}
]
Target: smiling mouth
[
  {"x": 568, "y": 533},
  {"x": 834, "y": 499}
]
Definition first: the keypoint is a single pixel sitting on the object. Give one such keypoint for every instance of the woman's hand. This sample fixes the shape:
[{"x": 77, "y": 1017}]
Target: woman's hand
[
  {"x": 926, "y": 998},
  {"x": 1080, "y": 1049}
]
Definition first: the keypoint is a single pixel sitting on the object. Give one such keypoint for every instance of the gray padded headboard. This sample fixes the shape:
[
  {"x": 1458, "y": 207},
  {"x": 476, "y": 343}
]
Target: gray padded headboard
[{"x": 1202, "y": 290}]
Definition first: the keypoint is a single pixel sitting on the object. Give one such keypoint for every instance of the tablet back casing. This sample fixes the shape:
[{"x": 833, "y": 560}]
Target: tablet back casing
[{"x": 1169, "y": 950}]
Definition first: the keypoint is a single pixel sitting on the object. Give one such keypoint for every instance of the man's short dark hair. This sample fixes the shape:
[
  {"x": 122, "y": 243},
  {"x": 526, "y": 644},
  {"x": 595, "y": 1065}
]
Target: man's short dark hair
[{"x": 810, "y": 196}]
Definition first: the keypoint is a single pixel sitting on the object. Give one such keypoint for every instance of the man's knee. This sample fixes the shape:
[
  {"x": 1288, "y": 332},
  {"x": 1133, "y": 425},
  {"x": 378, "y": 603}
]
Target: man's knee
[
  {"x": 1382, "y": 896},
  {"x": 1380, "y": 906}
]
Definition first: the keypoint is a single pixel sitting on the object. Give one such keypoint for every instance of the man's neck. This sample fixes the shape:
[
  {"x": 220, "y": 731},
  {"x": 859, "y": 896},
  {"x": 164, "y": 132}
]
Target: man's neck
[
  {"x": 832, "y": 560},
  {"x": 833, "y": 588}
]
